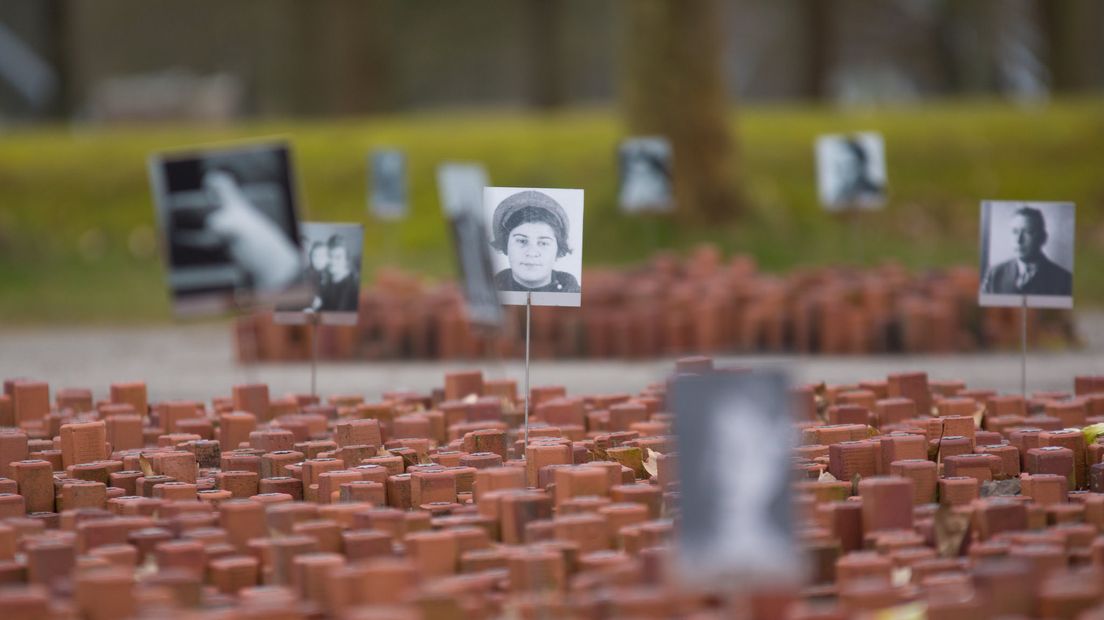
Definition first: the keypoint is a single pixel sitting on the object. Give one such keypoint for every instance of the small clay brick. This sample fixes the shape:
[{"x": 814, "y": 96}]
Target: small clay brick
[
  {"x": 983, "y": 467},
  {"x": 326, "y": 533},
  {"x": 585, "y": 530},
  {"x": 208, "y": 452},
  {"x": 271, "y": 440},
  {"x": 329, "y": 485},
  {"x": 863, "y": 565},
  {"x": 1096, "y": 478},
  {"x": 1005, "y": 405},
  {"x": 848, "y": 458},
  {"x": 1072, "y": 413},
  {"x": 82, "y": 494},
  {"x": 234, "y": 429},
  {"x": 252, "y": 398},
  {"x": 292, "y": 487},
  {"x": 242, "y": 519},
  {"x": 539, "y": 455},
  {"x": 536, "y": 570},
  {"x": 624, "y": 415},
  {"x": 460, "y": 385},
  {"x": 1009, "y": 458},
  {"x": 238, "y": 460},
  {"x": 958, "y": 491},
  {"x": 956, "y": 407},
  {"x": 487, "y": 440},
  {"x": 519, "y": 508},
  {"x": 124, "y": 431},
  {"x": 951, "y": 445},
  {"x": 399, "y": 491},
  {"x": 1050, "y": 460},
  {"x": 498, "y": 478},
  {"x": 620, "y": 515},
  {"x": 30, "y": 401},
  {"x": 272, "y": 464},
  {"x": 241, "y": 484},
  {"x": 578, "y": 481},
  {"x": 185, "y": 555},
  {"x": 434, "y": 553},
  {"x": 13, "y": 447},
  {"x": 911, "y": 385},
  {"x": 886, "y": 503},
  {"x": 848, "y": 414},
  {"x": 7, "y": 413},
  {"x": 358, "y": 432},
  {"x": 363, "y": 544},
  {"x": 53, "y": 457},
  {"x": 36, "y": 483},
  {"x": 900, "y": 447},
  {"x": 392, "y": 463},
  {"x": 77, "y": 400},
  {"x": 1044, "y": 489},
  {"x": 50, "y": 560},
  {"x": 540, "y": 394},
  {"x": 106, "y": 594},
  {"x": 1075, "y": 441},
  {"x": 131, "y": 393},
  {"x": 231, "y": 574},
  {"x": 315, "y": 467},
  {"x": 12, "y": 505},
  {"x": 179, "y": 465},
  {"x": 175, "y": 491}
]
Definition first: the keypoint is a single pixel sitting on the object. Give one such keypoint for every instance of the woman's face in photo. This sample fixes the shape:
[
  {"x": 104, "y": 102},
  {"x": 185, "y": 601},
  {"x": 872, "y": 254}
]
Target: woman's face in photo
[
  {"x": 320, "y": 258},
  {"x": 531, "y": 250}
]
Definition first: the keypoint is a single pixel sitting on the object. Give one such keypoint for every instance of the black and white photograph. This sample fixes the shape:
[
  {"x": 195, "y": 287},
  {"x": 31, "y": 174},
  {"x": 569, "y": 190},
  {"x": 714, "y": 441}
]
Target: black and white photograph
[
  {"x": 460, "y": 186},
  {"x": 536, "y": 238},
  {"x": 645, "y": 171},
  {"x": 333, "y": 253},
  {"x": 735, "y": 447},
  {"x": 851, "y": 171},
  {"x": 229, "y": 220},
  {"x": 389, "y": 186},
  {"x": 1026, "y": 254}
]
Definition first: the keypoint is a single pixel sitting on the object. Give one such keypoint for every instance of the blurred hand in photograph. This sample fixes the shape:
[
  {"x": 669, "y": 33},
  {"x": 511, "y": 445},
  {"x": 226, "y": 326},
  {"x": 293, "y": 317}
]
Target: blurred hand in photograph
[
  {"x": 318, "y": 271},
  {"x": 530, "y": 228},
  {"x": 1030, "y": 272},
  {"x": 851, "y": 169},
  {"x": 254, "y": 241}
]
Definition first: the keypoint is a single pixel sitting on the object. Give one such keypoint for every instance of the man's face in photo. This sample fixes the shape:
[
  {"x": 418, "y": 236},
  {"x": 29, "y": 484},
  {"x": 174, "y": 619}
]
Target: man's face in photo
[{"x": 1029, "y": 237}]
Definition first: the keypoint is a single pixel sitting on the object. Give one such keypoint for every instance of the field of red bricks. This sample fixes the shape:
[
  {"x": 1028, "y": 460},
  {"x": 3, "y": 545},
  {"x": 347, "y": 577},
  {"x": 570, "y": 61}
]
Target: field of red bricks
[
  {"x": 910, "y": 494},
  {"x": 672, "y": 306}
]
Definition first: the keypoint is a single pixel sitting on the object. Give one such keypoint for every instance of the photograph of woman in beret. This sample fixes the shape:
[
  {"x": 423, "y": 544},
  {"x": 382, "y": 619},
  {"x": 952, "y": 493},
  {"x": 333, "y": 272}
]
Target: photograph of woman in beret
[{"x": 536, "y": 246}]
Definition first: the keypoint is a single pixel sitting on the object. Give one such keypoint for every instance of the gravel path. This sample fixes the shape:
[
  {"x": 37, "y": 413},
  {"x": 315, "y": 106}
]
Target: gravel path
[{"x": 196, "y": 361}]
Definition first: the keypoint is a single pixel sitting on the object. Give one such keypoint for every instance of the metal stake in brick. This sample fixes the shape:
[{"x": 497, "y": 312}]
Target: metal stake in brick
[
  {"x": 1023, "y": 346},
  {"x": 313, "y": 318},
  {"x": 528, "y": 306}
]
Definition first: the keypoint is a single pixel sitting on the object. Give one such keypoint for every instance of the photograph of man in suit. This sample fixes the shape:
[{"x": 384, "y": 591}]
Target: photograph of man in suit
[{"x": 1030, "y": 272}]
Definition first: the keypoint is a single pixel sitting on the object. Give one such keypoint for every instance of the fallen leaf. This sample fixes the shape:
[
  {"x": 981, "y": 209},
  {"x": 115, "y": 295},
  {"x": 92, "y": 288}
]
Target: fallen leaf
[
  {"x": 979, "y": 417},
  {"x": 1091, "y": 432},
  {"x": 951, "y": 530},
  {"x": 901, "y": 576},
  {"x": 144, "y": 465},
  {"x": 651, "y": 463},
  {"x": 908, "y": 611},
  {"x": 1000, "y": 488},
  {"x": 855, "y": 480},
  {"x": 470, "y": 399},
  {"x": 826, "y": 477}
]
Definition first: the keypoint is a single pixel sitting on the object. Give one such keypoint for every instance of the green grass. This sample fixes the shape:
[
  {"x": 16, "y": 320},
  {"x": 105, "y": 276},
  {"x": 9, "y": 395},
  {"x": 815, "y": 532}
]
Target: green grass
[{"x": 59, "y": 186}]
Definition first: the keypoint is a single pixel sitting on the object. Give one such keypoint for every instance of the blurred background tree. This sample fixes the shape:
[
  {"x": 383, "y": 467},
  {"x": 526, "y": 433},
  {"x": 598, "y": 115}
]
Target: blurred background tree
[{"x": 672, "y": 85}]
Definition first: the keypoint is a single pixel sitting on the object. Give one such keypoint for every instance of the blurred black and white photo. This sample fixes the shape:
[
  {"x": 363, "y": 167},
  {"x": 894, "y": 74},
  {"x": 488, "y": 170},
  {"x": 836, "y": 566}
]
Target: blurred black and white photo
[
  {"x": 851, "y": 171},
  {"x": 645, "y": 169},
  {"x": 735, "y": 447},
  {"x": 536, "y": 237},
  {"x": 1026, "y": 254},
  {"x": 229, "y": 220},
  {"x": 333, "y": 255},
  {"x": 388, "y": 182},
  {"x": 461, "y": 193}
]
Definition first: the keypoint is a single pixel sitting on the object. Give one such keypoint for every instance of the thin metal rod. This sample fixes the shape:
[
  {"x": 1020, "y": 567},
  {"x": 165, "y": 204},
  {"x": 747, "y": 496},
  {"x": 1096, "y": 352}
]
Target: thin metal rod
[
  {"x": 314, "y": 353},
  {"x": 528, "y": 305},
  {"x": 1023, "y": 347}
]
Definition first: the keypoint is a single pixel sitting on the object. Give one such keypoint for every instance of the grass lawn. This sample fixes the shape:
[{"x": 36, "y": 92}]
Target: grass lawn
[{"x": 76, "y": 217}]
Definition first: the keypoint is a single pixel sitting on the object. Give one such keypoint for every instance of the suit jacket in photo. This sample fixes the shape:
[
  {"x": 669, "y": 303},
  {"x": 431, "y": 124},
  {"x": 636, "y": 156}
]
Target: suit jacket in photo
[{"x": 1049, "y": 279}]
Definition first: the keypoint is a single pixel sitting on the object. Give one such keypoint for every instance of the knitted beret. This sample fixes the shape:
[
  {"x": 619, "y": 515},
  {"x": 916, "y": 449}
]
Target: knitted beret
[{"x": 528, "y": 198}]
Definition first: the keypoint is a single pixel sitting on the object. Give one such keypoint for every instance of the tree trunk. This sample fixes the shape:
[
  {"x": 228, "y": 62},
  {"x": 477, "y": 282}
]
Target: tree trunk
[
  {"x": 544, "y": 79},
  {"x": 672, "y": 85}
]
